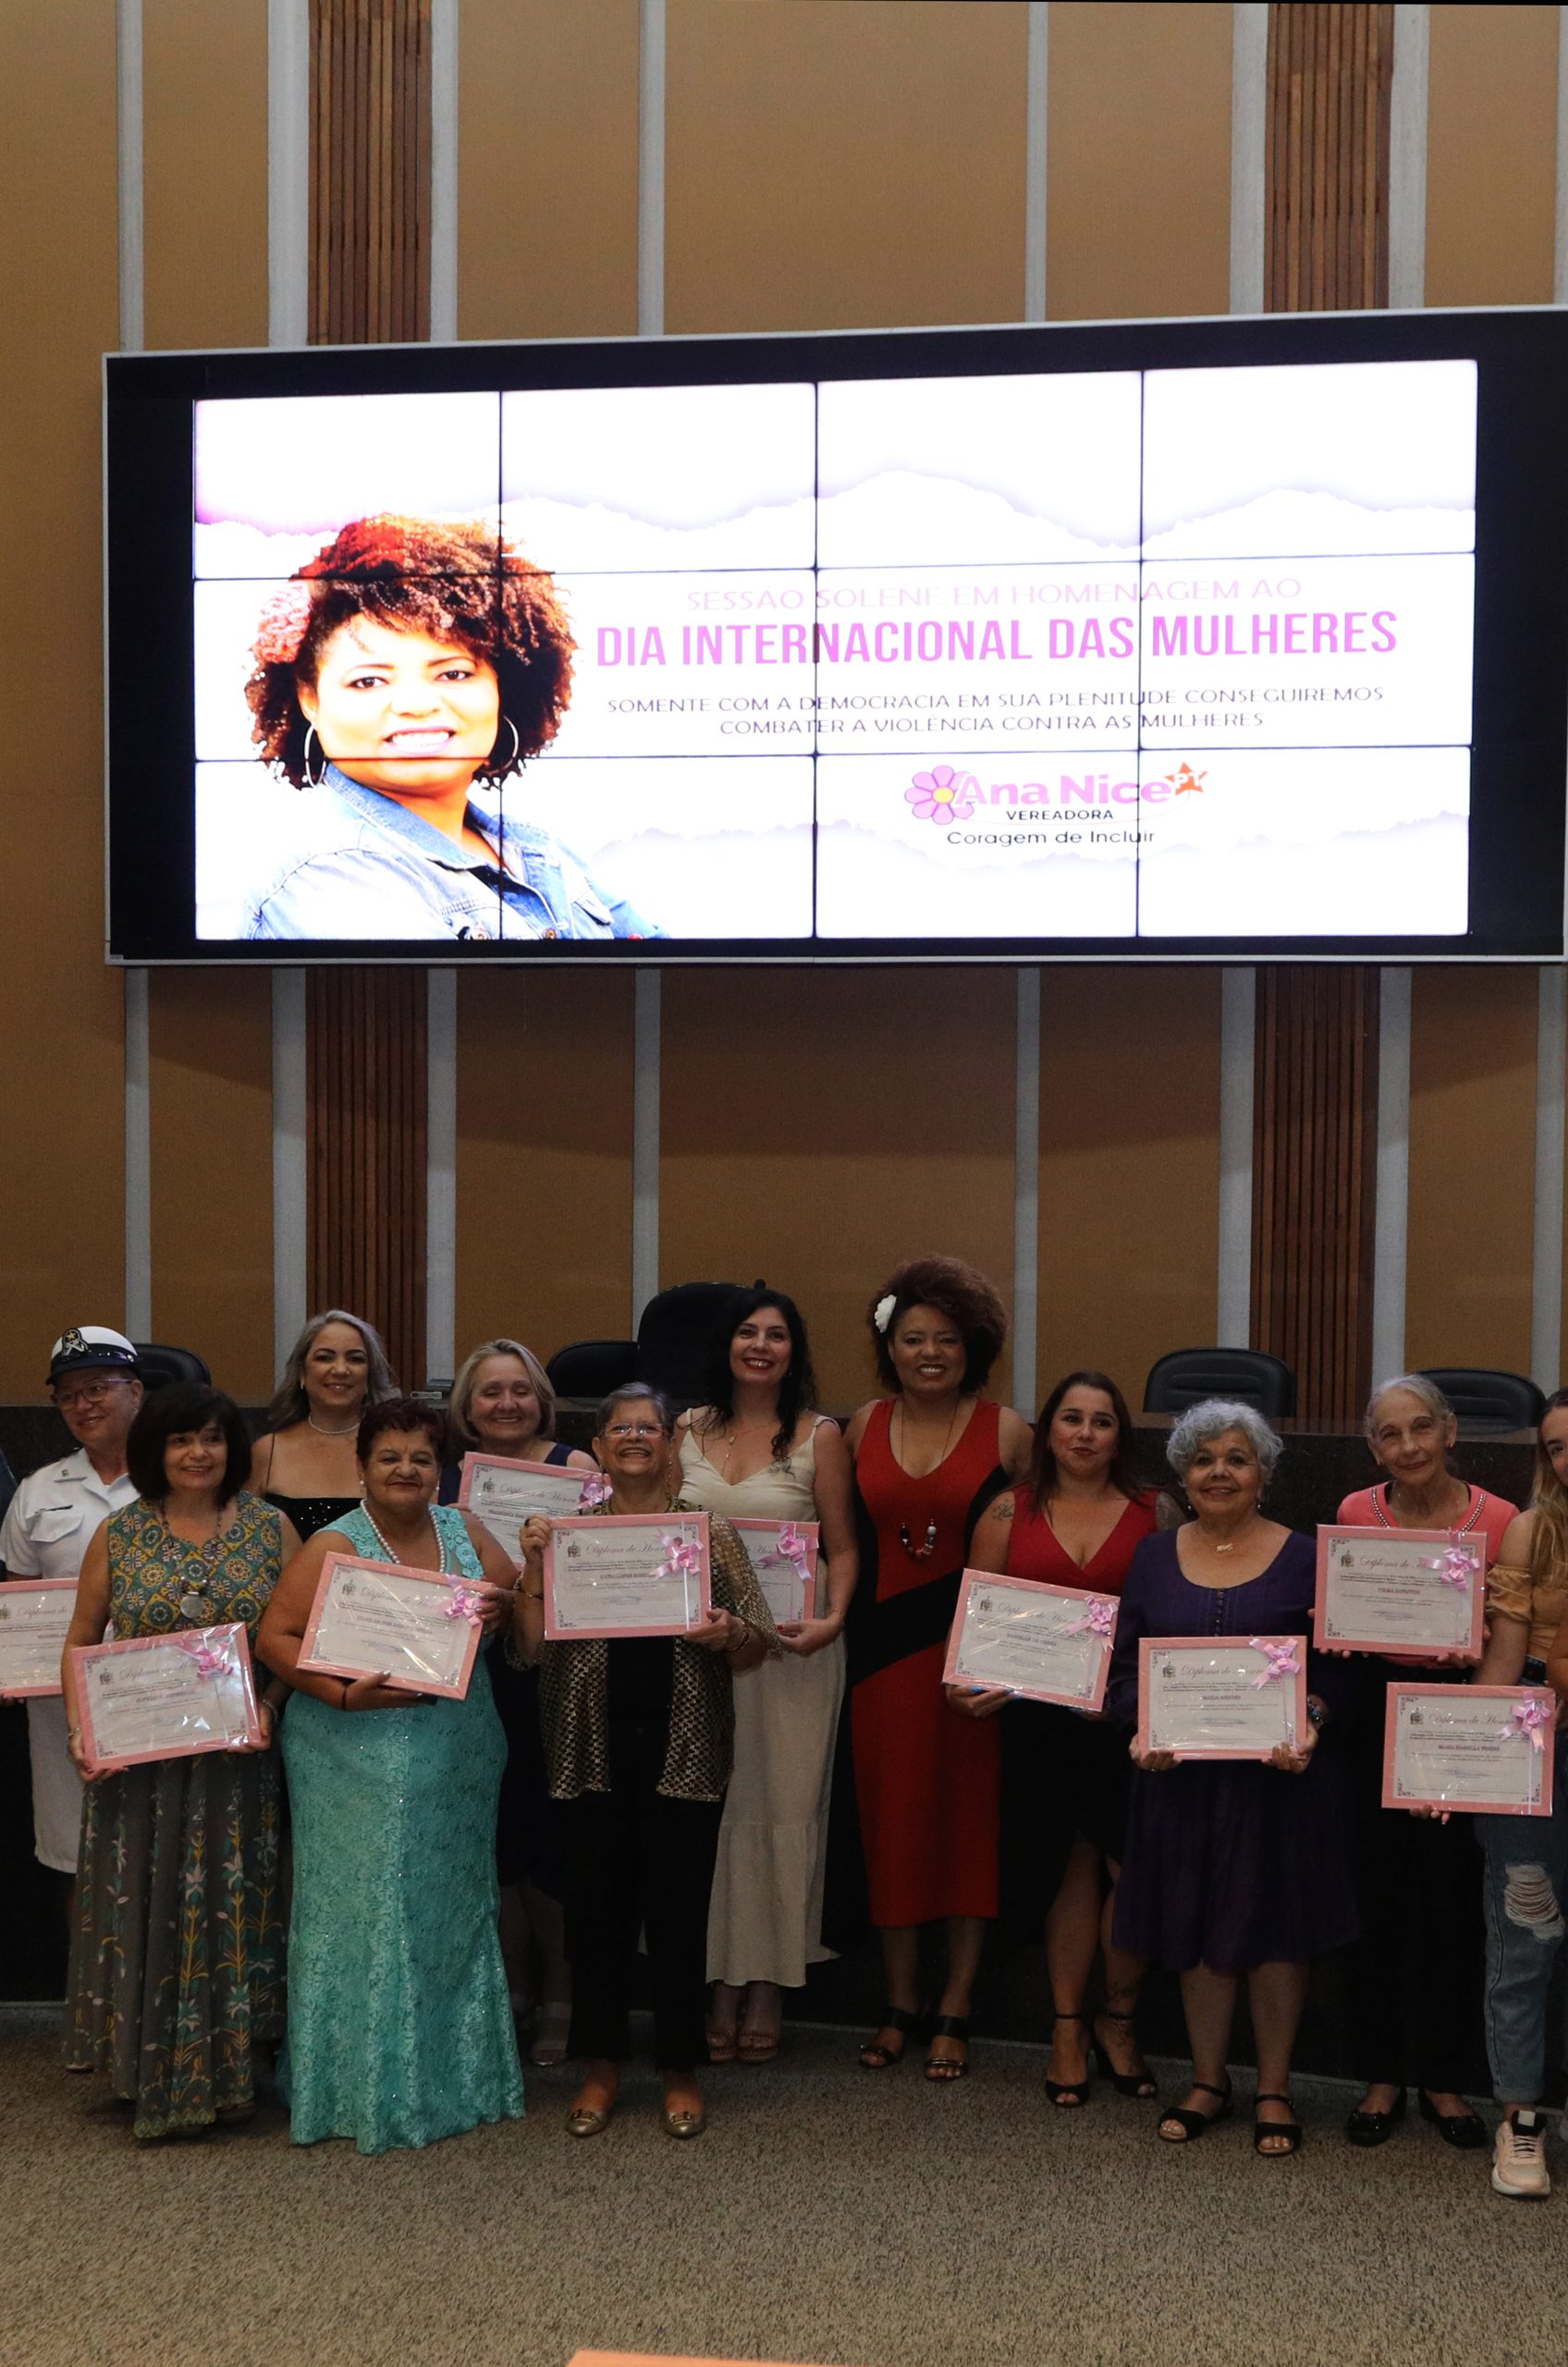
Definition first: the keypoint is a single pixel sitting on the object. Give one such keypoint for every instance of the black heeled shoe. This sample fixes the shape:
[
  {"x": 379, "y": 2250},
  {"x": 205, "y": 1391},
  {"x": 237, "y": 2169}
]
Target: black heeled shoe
[
  {"x": 1194, "y": 2124},
  {"x": 942, "y": 2069},
  {"x": 1069, "y": 2093},
  {"x": 874, "y": 2056},
  {"x": 1465, "y": 2129},
  {"x": 1140, "y": 2085},
  {"x": 1376, "y": 2127},
  {"x": 1291, "y": 2131}
]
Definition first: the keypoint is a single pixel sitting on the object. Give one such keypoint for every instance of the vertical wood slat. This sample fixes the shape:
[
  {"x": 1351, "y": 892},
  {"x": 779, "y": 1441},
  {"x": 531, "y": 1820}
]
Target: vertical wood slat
[
  {"x": 365, "y": 1144},
  {"x": 1329, "y": 79},
  {"x": 370, "y": 171}
]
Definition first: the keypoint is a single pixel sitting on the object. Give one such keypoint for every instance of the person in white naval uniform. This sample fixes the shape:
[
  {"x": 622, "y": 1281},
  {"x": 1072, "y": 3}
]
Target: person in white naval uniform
[{"x": 93, "y": 1381}]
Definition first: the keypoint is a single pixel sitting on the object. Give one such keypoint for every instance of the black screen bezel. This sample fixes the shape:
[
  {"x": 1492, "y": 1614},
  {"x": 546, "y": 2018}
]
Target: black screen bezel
[{"x": 1520, "y": 727}]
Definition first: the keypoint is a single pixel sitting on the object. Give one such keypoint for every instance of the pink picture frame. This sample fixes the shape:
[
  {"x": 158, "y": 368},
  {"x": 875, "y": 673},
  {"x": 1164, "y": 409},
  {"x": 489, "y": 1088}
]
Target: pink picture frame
[
  {"x": 562, "y": 1534},
  {"x": 1149, "y": 1645},
  {"x": 229, "y": 1637},
  {"x": 1436, "y": 1539},
  {"x": 1093, "y": 1702},
  {"x": 34, "y": 1585},
  {"x": 810, "y": 1532},
  {"x": 1502, "y": 1695},
  {"x": 330, "y": 1568}
]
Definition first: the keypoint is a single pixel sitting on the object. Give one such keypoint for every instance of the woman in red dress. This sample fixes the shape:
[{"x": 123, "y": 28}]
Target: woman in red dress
[
  {"x": 928, "y": 1459},
  {"x": 1074, "y": 1522}
]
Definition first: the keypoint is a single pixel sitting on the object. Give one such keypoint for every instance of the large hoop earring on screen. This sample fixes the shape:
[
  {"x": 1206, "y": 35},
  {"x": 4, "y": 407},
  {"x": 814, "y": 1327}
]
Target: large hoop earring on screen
[
  {"x": 313, "y": 780},
  {"x": 492, "y": 770}
]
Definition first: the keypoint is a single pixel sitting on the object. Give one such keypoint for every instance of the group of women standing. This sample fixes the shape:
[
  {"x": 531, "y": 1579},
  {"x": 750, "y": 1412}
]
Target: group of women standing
[{"x": 681, "y": 1788}]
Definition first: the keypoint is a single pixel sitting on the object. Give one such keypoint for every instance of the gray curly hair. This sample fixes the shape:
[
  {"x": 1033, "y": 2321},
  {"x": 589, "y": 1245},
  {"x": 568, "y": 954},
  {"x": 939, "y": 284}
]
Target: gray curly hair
[{"x": 1208, "y": 1420}]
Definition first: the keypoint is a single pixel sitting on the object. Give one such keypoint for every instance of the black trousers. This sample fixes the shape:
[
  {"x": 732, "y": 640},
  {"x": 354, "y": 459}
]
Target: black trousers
[
  {"x": 1414, "y": 1979},
  {"x": 636, "y": 1861}
]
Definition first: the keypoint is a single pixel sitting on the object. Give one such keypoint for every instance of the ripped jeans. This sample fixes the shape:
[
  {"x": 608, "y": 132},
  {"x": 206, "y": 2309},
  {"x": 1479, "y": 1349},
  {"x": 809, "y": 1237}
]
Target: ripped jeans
[{"x": 1525, "y": 1887}]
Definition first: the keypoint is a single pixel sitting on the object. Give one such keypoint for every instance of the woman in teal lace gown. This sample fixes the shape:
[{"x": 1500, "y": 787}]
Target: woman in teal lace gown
[{"x": 399, "y": 2022}]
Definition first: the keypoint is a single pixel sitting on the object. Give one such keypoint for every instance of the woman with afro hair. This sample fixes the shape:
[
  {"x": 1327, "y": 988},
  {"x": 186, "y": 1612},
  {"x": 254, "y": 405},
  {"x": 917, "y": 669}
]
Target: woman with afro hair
[{"x": 400, "y": 677}]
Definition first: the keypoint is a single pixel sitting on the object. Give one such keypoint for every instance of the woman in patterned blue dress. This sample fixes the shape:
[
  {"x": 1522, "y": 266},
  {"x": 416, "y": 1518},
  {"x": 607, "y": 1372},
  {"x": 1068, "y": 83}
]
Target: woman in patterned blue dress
[{"x": 399, "y": 2023}]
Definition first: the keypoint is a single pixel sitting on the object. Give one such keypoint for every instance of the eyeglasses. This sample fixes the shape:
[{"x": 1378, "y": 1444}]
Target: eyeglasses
[
  {"x": 635, "y": 1430},
  {"x": 90, "y": 1392}
]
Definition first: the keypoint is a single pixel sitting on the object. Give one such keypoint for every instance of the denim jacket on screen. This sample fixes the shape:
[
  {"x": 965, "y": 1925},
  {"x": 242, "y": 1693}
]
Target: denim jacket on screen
[{"x": 357, "y": 865}]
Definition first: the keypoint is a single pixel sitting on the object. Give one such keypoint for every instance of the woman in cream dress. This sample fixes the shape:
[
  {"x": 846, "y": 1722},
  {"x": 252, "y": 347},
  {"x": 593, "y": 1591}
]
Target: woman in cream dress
[{"x": 759, "y": 1452}]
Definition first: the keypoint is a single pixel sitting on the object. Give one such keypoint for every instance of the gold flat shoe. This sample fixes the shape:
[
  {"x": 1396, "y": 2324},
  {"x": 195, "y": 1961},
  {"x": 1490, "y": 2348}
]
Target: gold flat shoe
[
  {"x": 587, "y": 2120},
  {"x": 685, "y": 2124}
]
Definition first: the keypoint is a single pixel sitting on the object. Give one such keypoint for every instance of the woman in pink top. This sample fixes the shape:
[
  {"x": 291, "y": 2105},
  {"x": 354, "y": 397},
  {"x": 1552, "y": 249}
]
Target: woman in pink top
[
  {"x": 1076, "y": 1521},
  {"x": 1414, "y": 1976}
]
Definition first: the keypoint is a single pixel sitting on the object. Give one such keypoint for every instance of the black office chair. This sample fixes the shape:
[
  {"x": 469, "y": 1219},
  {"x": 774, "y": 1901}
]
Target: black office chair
[
  {"x": 161, "y": 1367},
  {"x": 676, "y": 1336},
  {"x": 1249, "y": 1375},
  {"x": 1485, "y": 1400},
  {"x": 591, "y": 1368}
]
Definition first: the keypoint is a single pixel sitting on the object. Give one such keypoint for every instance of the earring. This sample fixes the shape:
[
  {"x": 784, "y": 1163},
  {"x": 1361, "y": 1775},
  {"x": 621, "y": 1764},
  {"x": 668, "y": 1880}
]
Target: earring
[
  {"x": 313, "y": 780},
  {"x": 492, "y": 769}
]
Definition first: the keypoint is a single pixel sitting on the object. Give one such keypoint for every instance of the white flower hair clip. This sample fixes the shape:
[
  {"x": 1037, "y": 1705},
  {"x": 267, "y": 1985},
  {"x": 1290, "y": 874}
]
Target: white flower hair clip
[{"x": 882, "y": 1313}]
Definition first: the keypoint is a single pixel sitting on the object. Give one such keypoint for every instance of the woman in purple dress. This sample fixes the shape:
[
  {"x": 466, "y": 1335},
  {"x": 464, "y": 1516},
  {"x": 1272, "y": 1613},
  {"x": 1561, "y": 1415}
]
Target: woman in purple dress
[{"x": 1233, "y": 1870}]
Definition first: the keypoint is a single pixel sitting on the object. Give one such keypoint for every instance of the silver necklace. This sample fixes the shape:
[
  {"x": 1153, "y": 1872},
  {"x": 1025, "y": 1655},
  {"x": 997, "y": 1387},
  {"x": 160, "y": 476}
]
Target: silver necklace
[
  {"x": 388, "y": 1556},
  {"x": 196, "y": 1604}
]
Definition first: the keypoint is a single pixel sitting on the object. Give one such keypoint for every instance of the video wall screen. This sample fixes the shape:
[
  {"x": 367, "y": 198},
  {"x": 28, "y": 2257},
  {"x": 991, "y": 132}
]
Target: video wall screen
[{"x": 1226, "y": 637}]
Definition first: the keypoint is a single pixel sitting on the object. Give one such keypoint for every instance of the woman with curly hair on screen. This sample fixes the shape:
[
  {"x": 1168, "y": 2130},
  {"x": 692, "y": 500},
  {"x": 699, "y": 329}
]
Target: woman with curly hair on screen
[
  {"x": 928, "y": 1459},
  {"x": 400, "y": 679}
]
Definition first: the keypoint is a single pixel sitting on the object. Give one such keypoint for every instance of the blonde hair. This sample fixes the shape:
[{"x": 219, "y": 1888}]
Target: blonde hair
[
  {"x": 1548, "y": 1502},
  {"x": 462, "y": 1398},
  {"x": 291, "y": 1405}
]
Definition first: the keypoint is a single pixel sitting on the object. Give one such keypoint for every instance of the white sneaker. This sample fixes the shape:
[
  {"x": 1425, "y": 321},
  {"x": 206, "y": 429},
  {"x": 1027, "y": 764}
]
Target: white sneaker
[{"x": 1519, "y": 2155}]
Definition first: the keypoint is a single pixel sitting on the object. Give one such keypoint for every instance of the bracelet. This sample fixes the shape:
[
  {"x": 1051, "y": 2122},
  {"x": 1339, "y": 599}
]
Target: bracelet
[
  {"x": 532, "y": 1594},
  {"x": 745, "y": 1636}
]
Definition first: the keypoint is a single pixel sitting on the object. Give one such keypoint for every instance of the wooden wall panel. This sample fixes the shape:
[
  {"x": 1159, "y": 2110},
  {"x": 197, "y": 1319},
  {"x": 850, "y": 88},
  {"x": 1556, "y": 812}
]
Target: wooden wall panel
[
  {"x": 1129, "y": 1169},
  {"x": 844, "y": 164},
  {"x": 1492, "y": 155},
  {"x": 370, "y": 171},
  {"x": 547, "y": 168},
  {"x": 1314, "y": 1146},
  {"x": 211, "y": 1095},
  {"x": 821, "y": 1124},
  {"x": 1138, "y": 157},
  {"x": 1472, "y": 1081},
  {"x": 1327, "y": 171},
  {"x": 61, "y": 1046},
  {"x": 365, "y": 1153},
  {"x": 544, "y": 1157},
  {"x": 204, "y": 172}
]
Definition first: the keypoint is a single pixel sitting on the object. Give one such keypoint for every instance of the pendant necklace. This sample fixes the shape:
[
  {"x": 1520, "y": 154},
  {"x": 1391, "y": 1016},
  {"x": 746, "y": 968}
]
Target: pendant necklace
[
  {"x": 924, "y": 1552},
  {"x": 196, "y": 1604}
]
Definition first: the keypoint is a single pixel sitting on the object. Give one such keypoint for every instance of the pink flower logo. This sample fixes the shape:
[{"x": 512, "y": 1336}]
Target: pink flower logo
[{"x": 942, "y": 795}]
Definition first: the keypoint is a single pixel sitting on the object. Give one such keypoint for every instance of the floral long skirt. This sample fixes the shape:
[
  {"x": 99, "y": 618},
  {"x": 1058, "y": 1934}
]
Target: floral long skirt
[{"x": 176, "y": 1956}]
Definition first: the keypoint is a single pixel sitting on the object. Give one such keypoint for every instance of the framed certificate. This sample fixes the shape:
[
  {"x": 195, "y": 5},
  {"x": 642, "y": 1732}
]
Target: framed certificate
[
  {"x": 626, "y": 1574},
  {"x": 1486, "y": 1748},
  {"x": 503, "y": 1494},
  {"x": 165, "y": 1696},
  {"x": 783, "y": 1556},
  {"x": 34, "y": 1616},
  {"x": 1043, "y": 1643},
  {"x": 1419, "y": 1590},
  {"x": 416, "y": 1629},
  {"x": 1211, "y": 1697}
]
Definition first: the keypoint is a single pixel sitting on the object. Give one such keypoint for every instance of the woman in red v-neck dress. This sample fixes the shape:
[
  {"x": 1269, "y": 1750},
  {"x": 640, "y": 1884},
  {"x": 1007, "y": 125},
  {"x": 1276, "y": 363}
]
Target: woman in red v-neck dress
[
  {"x": 927, "y": 1461},
  {"x": 1076, "y": 1521}
]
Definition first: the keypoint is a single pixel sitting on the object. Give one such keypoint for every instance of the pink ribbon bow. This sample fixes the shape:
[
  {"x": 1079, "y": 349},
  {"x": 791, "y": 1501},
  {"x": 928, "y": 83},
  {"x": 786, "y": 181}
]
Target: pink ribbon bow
[
  {"x": 1281, "y": 1659},
  {"x": 793, "y": 1548},
  {"x": 209, "y": 1658},
  {"x": 1455, "y": 1564},
  {"x": 1529, "y": 1718},
  {"x": 682, "y": 1559},
  {"x": 596, "y": 1490},
  {"x": 1099, "y": 1618},
  {"x": 465, "y": 1604}
]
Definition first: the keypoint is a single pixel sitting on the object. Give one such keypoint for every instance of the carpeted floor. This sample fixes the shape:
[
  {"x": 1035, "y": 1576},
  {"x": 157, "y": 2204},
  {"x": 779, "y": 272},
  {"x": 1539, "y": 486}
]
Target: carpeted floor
[{"x": 827, "y": 2215}]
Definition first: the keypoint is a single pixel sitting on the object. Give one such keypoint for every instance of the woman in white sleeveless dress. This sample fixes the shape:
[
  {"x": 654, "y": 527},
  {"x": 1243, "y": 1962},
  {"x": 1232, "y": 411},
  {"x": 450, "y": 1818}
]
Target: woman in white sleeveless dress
[{"x": 758, "y": 1451}]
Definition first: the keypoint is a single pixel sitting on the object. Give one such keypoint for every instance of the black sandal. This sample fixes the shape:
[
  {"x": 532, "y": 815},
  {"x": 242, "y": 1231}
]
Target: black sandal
[
  {"x": 1291, "y": 2131},
  {"x": 873, "y": 2057},
  {"x": 1138, "y": 2084},
  {"x": 1192, "y": 2124},
  {"x": 1067, "y": 2093},
  {"x": 941, "y": 2069}
]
